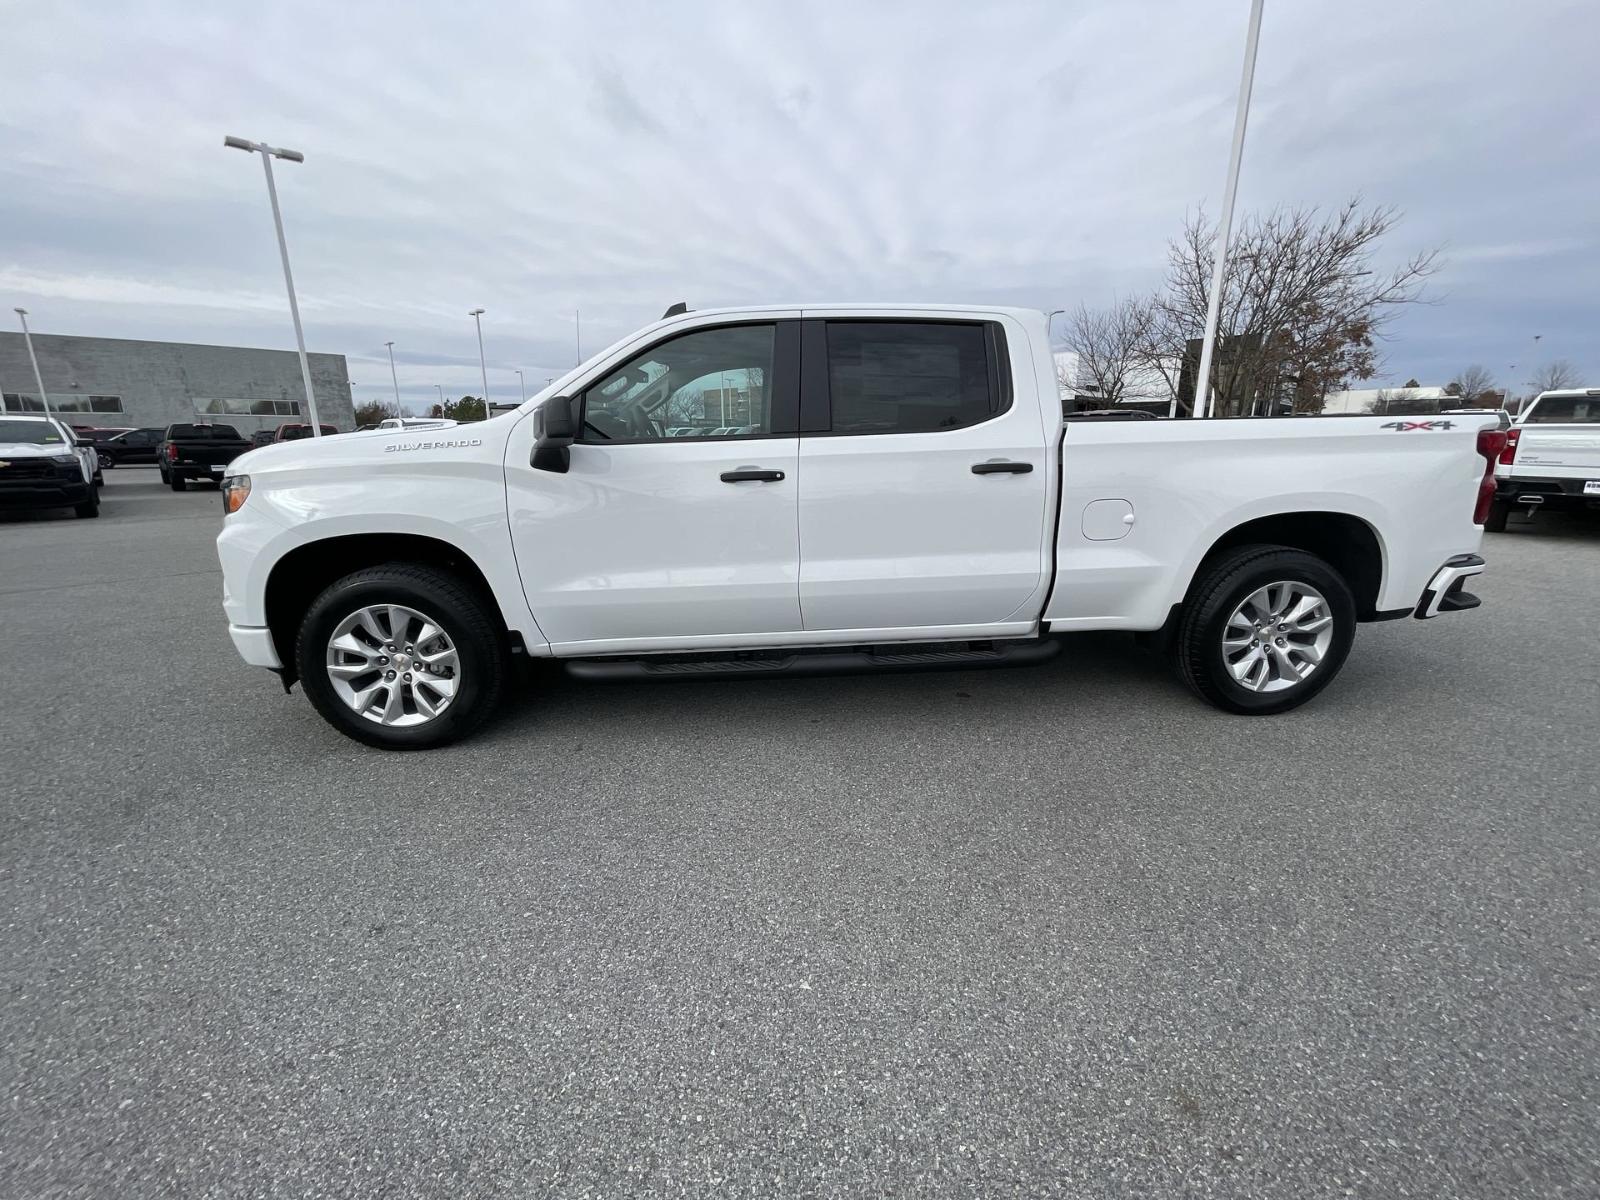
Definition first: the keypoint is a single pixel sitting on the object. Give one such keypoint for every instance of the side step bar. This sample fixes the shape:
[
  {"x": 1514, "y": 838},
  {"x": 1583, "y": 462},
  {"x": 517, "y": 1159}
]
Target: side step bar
[{"x": 818, "y": 662}]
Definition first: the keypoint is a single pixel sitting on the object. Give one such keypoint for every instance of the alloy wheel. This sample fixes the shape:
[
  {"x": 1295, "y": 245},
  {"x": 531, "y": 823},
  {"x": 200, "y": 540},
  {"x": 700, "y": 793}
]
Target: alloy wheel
[
  {"x": 1278, "y": 636},
  {"x": 393, "y": 665}
]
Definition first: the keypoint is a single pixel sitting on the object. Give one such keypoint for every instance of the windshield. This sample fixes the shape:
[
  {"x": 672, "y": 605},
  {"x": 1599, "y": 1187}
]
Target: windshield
[
  {"x": 1565, "y": 410},
  {"x": 31, "y": 433}
]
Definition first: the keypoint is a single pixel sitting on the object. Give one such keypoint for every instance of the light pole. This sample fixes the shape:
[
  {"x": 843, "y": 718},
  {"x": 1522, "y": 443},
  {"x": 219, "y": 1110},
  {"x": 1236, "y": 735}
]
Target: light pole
[
  {"x": 1205, "y": 400},
  {"x": 477, "y": 317},
  {"x": 522, "y": 385},
  {"x": 395, "y": 378},
  {"x": 441, "y": 399},
  {"x": 577, "y": 332},
  {"x": 44, "y": 399},
  {"x": 268, "y": 153}
]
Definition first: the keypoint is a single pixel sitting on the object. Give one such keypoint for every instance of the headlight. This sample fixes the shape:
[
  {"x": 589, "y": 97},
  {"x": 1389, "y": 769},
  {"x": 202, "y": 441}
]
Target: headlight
[
  {"x": 235, "y": 491},
  {"x": 64, "y": 458}
]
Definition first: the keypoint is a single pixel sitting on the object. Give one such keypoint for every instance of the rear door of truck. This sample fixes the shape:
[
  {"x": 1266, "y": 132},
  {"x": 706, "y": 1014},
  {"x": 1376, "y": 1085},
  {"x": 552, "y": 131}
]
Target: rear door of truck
[{"x": 925, "y": 479}]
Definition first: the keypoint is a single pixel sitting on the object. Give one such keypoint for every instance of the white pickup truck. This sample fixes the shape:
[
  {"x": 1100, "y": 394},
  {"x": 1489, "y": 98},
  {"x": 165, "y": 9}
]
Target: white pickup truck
[
  {"x": 824, "y": 489},
  {"x": 1552, "y": 456}
]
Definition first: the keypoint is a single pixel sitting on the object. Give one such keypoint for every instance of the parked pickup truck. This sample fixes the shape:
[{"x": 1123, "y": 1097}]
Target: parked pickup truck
[
  {"x": 43, "y": 465},
  {"x": 844, "y": 488},
  {"x": 1552, "y": 456},
  {"x": 197, "y": 451}
]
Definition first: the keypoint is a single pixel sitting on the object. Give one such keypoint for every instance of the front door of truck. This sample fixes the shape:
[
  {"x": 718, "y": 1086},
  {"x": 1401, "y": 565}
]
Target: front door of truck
[
  {"x": 925, "y": 472},
  {"x": 676, "y": 522}
]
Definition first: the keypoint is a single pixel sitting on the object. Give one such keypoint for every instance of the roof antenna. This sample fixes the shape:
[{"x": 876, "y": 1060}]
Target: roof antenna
[{"x": 677, "y": 310}]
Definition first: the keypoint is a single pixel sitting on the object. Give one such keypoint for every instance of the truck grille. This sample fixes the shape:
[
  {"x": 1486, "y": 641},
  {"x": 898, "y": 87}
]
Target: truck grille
[{"x": 28, "y": 468}]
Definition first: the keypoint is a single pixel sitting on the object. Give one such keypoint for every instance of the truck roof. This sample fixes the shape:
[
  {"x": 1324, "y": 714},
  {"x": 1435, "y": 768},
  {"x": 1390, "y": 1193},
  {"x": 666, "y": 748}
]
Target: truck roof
[{"x": 860, "y": 306}]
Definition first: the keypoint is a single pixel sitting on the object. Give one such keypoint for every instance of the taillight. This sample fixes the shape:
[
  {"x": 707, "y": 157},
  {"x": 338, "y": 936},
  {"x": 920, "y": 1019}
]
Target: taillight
[
  {"x": 1509, "y": 454},
  {"x": 1492, "y": 444},
  {"x": 172, "y": 452}
]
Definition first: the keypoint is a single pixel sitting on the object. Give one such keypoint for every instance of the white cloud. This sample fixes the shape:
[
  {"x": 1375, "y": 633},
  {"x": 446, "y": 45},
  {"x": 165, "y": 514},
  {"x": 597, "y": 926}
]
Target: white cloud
[{"x": 618, "y": 158}]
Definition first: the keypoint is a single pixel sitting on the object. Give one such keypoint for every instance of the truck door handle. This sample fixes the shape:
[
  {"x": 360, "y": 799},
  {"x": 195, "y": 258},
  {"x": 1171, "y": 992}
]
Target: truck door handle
[
  {"x": 1001, "y": 468},
  {"x": 748, "y": 474}
]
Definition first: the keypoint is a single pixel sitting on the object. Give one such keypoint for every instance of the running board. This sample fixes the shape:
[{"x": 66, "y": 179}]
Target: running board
[{"x": 818, "y": 662}]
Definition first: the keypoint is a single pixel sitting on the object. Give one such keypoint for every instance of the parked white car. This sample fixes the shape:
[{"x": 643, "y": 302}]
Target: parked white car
[
  {"x": 1552, "y": 456},
  {"x": 907, "y": 495},
  {"x": 415, "y": 423}
]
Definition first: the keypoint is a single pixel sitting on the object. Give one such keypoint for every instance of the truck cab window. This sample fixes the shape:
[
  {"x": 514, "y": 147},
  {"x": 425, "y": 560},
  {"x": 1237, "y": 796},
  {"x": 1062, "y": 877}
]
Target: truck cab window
[
  {"x": 908, "y": 377},
  {"x": 710, "y": 383}
]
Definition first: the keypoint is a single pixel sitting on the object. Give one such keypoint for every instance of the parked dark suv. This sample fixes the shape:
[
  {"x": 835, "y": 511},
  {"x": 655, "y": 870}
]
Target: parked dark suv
[{"x": 130, "y": 446}]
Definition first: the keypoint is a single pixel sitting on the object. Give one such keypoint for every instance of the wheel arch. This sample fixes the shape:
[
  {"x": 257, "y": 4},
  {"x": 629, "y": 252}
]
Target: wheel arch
[
  {"x": 300, "y": 576},
  {"x": 1347, "y": 543}
]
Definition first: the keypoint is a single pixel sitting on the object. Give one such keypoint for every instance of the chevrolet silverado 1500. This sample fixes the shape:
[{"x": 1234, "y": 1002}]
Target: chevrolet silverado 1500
[
  {"x": 768, "y": 491},
  {"x": 1552, "y": 456}
]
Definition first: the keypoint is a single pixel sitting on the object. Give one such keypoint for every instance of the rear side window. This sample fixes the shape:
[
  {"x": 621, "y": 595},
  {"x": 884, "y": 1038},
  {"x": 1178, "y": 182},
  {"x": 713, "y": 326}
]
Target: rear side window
[
  {"x": 1565, "y": 410},
  {"x": 910, "y": 377}
]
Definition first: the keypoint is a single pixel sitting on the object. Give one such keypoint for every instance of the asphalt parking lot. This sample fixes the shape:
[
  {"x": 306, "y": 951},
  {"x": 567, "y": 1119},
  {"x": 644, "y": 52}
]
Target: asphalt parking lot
[{"x": 1054, "y": 931}]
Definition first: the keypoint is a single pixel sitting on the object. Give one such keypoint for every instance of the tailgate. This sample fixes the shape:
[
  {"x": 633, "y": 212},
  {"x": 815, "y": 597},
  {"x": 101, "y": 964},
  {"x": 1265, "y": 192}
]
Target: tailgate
[
  {"x": 1557, "y": 452},
  {"x": 207, "y": 454}
]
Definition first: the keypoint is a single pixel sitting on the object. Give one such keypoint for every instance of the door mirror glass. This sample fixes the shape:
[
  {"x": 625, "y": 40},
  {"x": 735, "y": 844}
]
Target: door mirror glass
[{"x": 555, "y": 428}]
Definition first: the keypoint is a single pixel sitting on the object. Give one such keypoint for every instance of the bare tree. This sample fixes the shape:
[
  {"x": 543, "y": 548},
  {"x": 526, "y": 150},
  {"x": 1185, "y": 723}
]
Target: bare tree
[
  {"x": 1110, "y": 344},
  {"x": 1552, "y": 377},
  {"x": 373, "y": 411},
  {"x": 1471, "y": 385},
  {"x": 1066, "y": 381},
  {"x": 1302, "y": 310}
]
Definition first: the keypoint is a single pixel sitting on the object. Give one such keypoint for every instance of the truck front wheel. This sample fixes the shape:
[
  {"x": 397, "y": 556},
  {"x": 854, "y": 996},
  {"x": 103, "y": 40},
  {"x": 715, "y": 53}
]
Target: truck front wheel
[
  {"x": 1265, "y": 629},
  {"x": 401, "y": 656}
]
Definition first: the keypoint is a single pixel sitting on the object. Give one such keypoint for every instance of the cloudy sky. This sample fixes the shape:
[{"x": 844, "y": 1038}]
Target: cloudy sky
[{"x": 615, "y": 157}]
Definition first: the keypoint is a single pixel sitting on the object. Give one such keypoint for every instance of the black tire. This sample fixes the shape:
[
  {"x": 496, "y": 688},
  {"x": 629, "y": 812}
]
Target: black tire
[
  {"x": 1499, "y": 510},
  {"x": 90, "y": 507},
  {"x": 465, "y": 618},
  {"x": 1221, "y": 587},
  {"x": 177, "y": 482},
  {"x": 106, "y": 461}
]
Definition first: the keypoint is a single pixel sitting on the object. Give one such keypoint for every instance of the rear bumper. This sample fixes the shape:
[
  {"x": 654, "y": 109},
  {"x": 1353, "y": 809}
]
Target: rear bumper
[
  {"x": 1445, "y": 591},
  {"x": 1553, "y": 491},
  {"x": 254, "y": 645}
]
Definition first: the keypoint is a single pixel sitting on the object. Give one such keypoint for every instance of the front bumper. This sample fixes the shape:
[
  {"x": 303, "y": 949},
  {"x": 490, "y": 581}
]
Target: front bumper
[
  {"x": 254, "y": 644},
  {"x": 44, "y": 493},
  {"x": 1445, "y": 592}
]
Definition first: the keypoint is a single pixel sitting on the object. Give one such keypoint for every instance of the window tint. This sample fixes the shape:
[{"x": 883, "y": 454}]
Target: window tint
[
  {"x": 1565, "y": 410},
  {"x": 710, "y": 383},
  {"x": 248, "y": 408},
  {"x": 201, "y": 433},
  {"x": 904, "y": 377}
]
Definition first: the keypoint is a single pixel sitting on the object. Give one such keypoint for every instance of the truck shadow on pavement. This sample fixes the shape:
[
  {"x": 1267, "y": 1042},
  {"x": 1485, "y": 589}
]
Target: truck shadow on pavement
[{"x": 1094, "y": 673}]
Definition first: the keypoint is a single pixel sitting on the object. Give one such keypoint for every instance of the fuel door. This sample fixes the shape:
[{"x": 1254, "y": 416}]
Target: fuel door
[{"x": 1107, "y": 520}]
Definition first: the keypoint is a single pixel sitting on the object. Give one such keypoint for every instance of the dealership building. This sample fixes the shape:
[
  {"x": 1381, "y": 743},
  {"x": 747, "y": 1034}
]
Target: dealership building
[{"x": 116, "y": 382}]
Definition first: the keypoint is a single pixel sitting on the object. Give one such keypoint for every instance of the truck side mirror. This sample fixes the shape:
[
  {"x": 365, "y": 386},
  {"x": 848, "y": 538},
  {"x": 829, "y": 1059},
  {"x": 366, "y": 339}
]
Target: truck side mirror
[{"x": 555, "y": 428}]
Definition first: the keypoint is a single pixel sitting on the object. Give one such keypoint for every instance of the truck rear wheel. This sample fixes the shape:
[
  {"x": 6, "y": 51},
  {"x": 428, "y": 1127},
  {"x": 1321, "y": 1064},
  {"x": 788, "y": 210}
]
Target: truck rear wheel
[
  {"x": 1499, "y": 510},
  {"x": 401, "y": 656},
  {"x": 1265, "y": 629},
  {"x": 178, "y": 482}
]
